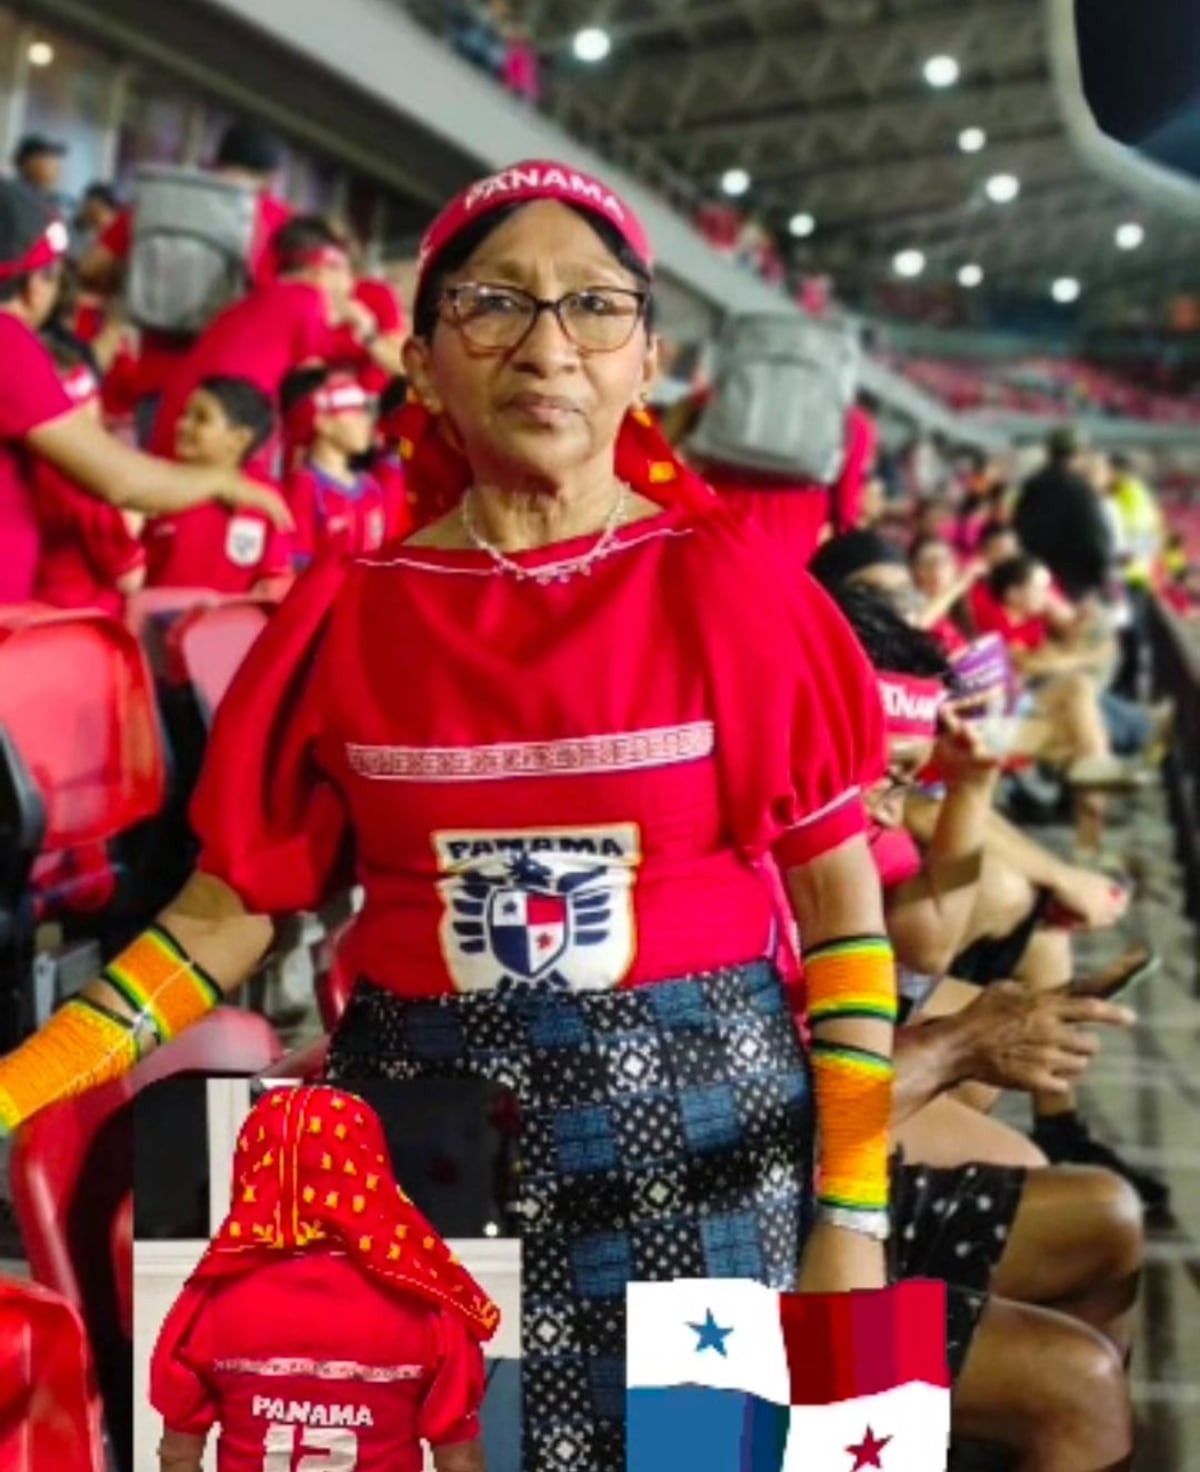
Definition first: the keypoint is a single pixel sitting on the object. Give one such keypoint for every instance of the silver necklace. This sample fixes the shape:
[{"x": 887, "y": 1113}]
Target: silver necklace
[{"x": 550, "y": 572}]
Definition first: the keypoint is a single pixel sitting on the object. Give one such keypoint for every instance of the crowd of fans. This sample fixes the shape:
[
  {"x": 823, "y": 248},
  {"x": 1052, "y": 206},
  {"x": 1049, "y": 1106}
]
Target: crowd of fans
[{"x": 1006, "y": 616}]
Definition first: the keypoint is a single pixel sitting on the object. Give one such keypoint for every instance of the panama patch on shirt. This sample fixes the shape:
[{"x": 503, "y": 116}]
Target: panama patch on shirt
[{"x": 545, "y": 907}]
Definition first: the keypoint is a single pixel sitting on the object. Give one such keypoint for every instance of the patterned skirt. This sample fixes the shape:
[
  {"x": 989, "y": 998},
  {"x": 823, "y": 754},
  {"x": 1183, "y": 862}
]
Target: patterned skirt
[{"x": 666, "y": 1132}]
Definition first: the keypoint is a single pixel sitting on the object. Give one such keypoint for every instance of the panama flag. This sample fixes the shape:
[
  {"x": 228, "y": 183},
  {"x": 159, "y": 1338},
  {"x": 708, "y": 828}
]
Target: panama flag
[{"x": 728, "y": 1376}]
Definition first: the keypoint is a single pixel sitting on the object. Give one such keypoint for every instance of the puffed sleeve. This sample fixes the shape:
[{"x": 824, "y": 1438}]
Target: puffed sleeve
[
  {"x": 450, "y": 1411},
  {"x": 798, "y": 721},
  {"x": 270, "y": 823},
  {"x": 180, "y": 1391}
]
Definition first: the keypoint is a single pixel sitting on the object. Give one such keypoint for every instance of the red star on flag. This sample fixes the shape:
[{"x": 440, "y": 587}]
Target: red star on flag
[
  {"x": 544, "y": 941},
  {"x": 869, "y": 1451}
]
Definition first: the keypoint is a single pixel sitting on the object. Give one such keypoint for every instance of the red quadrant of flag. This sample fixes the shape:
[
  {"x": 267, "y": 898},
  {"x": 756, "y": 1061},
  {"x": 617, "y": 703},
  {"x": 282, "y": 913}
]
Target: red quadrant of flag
[{"x": 846, "y": 1345}]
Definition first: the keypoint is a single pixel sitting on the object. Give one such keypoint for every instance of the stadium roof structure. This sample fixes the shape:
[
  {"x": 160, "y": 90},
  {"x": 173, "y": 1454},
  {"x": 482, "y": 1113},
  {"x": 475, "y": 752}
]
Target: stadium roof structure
[{"x": 825, "y": 105}]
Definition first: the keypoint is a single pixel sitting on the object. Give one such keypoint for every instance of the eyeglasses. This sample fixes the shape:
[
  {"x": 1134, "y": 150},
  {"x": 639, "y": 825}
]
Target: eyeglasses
[{"x": 596, "y": 319}]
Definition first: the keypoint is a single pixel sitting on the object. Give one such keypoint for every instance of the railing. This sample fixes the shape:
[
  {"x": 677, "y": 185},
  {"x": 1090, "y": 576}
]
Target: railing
[{"x": 1177, "y": 675}]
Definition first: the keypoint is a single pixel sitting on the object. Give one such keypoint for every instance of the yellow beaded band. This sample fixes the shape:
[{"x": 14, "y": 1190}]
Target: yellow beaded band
[
  {"x": 851, "y": 978},
  {"x": 160, "y": 983},
  {"x": 82, "y": 1045},
  {"x": 854, "y": 1107}
]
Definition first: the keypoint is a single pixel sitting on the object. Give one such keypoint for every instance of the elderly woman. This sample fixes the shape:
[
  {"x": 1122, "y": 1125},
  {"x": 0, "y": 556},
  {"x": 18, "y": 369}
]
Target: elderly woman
[
  {"x": 566, "y": 734},
  {"x": 326, "y": 1314}
]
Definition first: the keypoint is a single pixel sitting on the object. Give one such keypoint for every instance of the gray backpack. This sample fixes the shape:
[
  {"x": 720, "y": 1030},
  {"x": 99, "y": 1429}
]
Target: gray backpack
[
  {"x": 193, "y": 233},
  {"x": 783, "y": 384}
]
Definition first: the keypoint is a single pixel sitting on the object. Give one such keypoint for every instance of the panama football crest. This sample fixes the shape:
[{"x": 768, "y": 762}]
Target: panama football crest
[{"x": 539, "y": 909}]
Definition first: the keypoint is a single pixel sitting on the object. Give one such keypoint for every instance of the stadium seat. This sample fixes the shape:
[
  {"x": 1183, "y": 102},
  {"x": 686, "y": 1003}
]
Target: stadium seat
[
  {"x": 83, "y": 762},
  {"x": 49, "y": 1408},
  {"x": 206, "y": 646},
  {"x": 335, "y": 983},
  {"x": 72, "y": 1171}
]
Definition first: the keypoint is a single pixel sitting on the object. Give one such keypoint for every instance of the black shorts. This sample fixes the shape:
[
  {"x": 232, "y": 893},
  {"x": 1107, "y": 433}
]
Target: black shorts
[
  {"x": 997, "y": 958},
  {"x": 954, "y": 1225}
]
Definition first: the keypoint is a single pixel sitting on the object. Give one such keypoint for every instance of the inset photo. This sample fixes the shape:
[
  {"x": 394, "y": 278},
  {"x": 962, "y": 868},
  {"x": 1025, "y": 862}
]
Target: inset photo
[{"x": 326, "y": 1279}]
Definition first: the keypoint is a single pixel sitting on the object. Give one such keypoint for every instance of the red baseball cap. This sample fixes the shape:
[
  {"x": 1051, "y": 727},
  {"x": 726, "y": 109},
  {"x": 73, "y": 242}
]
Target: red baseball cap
[{"x": 521, "y": 184}]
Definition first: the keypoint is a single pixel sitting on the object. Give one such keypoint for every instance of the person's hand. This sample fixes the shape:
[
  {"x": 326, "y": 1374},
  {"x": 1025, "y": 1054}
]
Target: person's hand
[
  {"x": 962, "y": 754},
  {"x": 837, "y": 1260},
  {"x": 243, "y": 494},
  {"x": 361, "y": 320},
  {"x": 1094, "y": 900},
  {"x": 1033, "y": 1041}
]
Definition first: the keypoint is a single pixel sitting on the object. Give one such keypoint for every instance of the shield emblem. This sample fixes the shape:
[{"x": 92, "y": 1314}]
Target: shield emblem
[
  {"x": 529, "y": 929},
  {"x": 246, "y": 541}
]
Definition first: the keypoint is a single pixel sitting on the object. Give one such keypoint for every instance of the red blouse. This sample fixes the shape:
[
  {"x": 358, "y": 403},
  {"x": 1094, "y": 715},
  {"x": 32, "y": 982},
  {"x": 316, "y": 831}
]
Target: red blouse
[
  {"x": 574, "y": 782},
  {"x": 310, "y": 1355}
]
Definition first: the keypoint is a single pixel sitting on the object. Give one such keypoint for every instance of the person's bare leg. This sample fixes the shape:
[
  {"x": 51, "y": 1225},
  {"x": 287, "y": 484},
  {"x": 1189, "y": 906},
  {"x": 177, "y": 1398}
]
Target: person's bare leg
[
  {"x": 1076, "y": 1244},
  {"x": 947, "y": 1133},
  {"x": 1047, "y": 1387},
  {"x": 1072, "y": 707}
]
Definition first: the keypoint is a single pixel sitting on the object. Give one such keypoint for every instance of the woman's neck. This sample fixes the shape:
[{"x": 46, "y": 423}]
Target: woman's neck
[{"x": 520, "y": 518}]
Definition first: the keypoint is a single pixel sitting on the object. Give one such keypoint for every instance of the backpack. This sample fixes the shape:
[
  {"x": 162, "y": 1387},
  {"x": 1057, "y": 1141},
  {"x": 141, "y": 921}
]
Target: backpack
[
  {"x": 193, "y": 233},
  {"x": 783, "y": 384}
]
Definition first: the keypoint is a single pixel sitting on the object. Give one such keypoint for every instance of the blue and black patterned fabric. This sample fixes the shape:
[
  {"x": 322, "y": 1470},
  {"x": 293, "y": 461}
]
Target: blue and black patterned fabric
[{"x": 666, "y": 1132}]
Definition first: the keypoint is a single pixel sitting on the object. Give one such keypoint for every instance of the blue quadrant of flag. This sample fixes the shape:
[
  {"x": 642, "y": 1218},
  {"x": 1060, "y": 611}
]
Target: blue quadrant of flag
[{"x": 692, "y": 1427}]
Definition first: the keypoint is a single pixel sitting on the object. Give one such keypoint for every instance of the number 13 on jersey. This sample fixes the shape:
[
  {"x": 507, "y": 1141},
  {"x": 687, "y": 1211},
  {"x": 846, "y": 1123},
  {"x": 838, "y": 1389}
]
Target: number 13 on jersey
[{"x": 332, "y": 1449}]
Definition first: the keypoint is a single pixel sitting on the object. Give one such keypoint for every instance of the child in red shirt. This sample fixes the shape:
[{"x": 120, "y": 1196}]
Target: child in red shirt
[
  {"x": 330, "y": 425},
  {"x": 89, "y": 555},
  {"x": 226, "y": 421}
]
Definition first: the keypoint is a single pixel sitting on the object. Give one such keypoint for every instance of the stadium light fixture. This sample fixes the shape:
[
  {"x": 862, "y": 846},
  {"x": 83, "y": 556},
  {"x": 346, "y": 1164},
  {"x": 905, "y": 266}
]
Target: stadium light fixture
[
  {"x": 1003, "y": 188},
  {"x": 802, "y": 225},
  {"x": 591, "y": 44},
  {"x": 1130, "y": 235},
  {"x": 942, "y": 71},
  {"x": 970, "y": 276},
  {"x": 972, "y": 140},
  {"x": 41, "y": 53},
  {"x": 1066, "y": 290},
  {"x": 735, "y": 182},
  {"x": 908, "y": 263}
]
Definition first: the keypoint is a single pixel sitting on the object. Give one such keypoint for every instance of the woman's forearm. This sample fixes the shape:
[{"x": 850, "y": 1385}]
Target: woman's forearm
[{"x": 178, "y": 1452}]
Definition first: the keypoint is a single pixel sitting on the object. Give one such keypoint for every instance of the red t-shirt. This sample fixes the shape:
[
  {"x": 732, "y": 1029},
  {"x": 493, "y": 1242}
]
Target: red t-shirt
[
  {"x": 30, "y": 396},
  {"x": 388, "y": 470},
  {"x": 345, "y": 351},
  {"x": 575, "y": 782},
  {"x": 310, "y": 1355},
  {"x": 86, "y": 545},
  {"x": 214, "y": 547},
  {"x": 261, "y": 338},
  {"x": 161, "y": 353},
  {"x": 334, "y": 517},
  {"x": 991, "y": 617}
]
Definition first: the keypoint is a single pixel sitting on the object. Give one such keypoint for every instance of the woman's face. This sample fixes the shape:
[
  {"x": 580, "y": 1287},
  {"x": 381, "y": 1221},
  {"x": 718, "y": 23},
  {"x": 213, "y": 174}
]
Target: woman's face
[
  {"x": 933, "y": 569},
  {"x": 542, "y": 410}
]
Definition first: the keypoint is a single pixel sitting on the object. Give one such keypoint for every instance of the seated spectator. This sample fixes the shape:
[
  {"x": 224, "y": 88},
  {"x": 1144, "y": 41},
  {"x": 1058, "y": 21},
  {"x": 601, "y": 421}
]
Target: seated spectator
[
  {"x": 225, "y": 423},
  {"x": 338, "y": 508},
  {"x": 247, "y": 154},
  {"x": 943, "y": 587},
  {"x": 369, "y": 342},
  {"x": 271, "y": 332},
  {"x": 90, "y": 556}
]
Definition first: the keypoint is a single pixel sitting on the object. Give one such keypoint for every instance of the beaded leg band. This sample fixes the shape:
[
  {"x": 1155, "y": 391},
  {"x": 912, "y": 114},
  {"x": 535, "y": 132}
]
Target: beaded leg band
[{"x": 87, "y": 1043}]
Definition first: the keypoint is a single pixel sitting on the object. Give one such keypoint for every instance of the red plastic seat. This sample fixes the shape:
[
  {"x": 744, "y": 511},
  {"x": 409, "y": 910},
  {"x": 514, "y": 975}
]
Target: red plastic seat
[
  {"x": 77, "y": 701},
  {"x": 335, "y": 984},
  {"x": 72, "y": 1171},
  {"x": 207, "y": 645},
  {"x": 49, "y": 1408}
]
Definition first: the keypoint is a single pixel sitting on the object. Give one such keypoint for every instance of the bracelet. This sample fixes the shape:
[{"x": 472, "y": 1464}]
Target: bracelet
[{"x": 874, "y": 1224}]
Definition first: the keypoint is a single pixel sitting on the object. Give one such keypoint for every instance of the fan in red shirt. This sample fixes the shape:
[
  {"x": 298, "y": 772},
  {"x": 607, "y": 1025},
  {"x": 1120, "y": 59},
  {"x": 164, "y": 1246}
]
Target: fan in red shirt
[
  {"x": 226, "y": 423},
  {"x": 38, "y": 420},
  {"x": 370, "y": 343},
  {"x": 90, "y": 557},
  {"x": 327, "y": 1315},
  {"x": 330, "y": 425},
  {"x": 271, "y": 332},
  {"x": 559, "y": 731}
]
